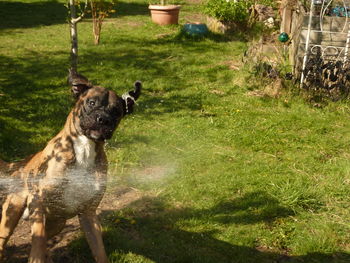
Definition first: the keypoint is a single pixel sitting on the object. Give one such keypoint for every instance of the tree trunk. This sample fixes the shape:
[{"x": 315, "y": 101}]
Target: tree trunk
[
  {"x": 96, "y": 22},
  {"x": 74, "y": 33},
  {"x": 74, "y": 36}
]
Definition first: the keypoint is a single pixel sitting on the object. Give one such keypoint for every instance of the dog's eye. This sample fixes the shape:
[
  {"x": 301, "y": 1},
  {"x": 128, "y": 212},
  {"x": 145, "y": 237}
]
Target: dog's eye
[{"x": 92, "y": 103}]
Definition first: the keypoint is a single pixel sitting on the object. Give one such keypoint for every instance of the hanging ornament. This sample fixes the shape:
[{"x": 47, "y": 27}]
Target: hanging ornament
[{"x": 283, "y": 37}]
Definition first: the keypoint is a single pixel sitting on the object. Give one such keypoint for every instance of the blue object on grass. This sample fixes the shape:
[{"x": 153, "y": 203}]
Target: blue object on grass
[{"x": 196, "y": 29}]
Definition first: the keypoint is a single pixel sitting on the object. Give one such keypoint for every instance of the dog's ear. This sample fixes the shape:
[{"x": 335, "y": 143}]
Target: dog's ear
[
  {"x": 129, "y": 98},
  {"x": 78, "y": 82}
]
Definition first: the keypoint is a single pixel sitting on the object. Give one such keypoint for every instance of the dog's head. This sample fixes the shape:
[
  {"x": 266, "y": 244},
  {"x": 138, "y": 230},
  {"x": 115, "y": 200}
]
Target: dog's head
[{"x": 98, "y": 111}]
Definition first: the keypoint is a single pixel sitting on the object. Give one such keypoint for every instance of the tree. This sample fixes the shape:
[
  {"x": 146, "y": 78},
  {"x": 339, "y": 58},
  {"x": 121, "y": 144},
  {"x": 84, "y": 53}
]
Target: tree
[
  {"x": 100, "y": 9},
  {"x": 73, "y": 21}
]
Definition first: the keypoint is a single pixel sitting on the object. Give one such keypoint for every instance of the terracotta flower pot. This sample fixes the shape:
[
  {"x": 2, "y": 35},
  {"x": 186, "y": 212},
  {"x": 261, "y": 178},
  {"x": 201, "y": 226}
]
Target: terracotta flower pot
[{"x": 165, "y": 14}]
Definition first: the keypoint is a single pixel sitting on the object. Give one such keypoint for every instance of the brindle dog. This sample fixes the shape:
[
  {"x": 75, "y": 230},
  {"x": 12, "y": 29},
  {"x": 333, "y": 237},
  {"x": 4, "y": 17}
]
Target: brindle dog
[{"x": 68, "y": 177}]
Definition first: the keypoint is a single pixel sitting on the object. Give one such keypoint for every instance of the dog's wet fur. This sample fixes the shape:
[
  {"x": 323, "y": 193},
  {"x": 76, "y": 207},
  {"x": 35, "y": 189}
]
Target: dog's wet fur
[{"x": 68, "y": 177}]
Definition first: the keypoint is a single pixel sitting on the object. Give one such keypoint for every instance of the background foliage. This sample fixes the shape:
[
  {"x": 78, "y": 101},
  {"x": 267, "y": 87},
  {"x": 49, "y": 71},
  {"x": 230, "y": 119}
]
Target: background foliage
[{"x": 232, "y": 10}]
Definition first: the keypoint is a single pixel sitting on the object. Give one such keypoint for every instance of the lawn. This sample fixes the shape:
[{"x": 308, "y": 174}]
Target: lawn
[{"x": 225, "y": 176}]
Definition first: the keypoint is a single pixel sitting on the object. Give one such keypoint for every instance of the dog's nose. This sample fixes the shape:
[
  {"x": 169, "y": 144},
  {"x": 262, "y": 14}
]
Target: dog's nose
[{"x": 102, "y": 120}]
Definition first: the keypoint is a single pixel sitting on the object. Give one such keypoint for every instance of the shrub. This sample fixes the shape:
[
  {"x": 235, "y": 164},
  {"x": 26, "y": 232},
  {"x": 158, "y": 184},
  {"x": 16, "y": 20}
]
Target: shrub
[
  {"x": 100, "y": 9},
  {"x": 228, "y": 10},
  {"x": 238, "y": 11}
]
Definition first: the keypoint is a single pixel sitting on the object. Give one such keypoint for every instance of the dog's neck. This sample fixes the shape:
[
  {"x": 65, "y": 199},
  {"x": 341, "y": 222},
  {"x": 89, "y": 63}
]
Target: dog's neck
[
  {"x": 84, "y": 148},
  {"x": 73, "y": 124},
  {"x": 85, "y": 151}
]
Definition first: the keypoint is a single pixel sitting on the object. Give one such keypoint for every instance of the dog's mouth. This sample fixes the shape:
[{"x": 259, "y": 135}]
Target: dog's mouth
[
  {"x": 101, "y": 134},
  {"x": 98, "y": 127}
]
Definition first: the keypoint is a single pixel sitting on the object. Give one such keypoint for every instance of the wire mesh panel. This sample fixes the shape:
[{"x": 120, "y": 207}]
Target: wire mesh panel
[{"x": 325, "y": 66}]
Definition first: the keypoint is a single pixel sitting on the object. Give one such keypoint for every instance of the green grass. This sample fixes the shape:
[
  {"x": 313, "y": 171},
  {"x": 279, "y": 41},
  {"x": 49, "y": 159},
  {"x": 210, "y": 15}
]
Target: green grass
[{"x": 227, "y": 177}]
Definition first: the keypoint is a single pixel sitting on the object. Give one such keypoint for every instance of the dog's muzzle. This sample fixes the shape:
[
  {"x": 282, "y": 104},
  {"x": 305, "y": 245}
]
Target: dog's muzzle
[{"x": 98, "y": 126}]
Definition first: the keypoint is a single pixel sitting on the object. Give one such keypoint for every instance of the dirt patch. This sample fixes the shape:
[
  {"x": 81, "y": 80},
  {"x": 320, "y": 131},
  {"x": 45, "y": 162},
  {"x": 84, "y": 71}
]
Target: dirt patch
[
  {"x": 132, "y": 24},
  {"x": 272, "y": 90},
  {"x": 217, "y": 92},
  {"x": 195, "y": 18},
  {"x": 18, "y": 248},
  {"x": 232, "y": 64}
]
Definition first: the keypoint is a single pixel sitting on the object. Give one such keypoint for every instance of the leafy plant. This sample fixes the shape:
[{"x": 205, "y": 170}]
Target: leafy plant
[
  {"x": 237, "y": 11},
  {"x": 228, "y": 10},
  {"x": 100, "y": 9},
  {"x": 167, "y": 2}
]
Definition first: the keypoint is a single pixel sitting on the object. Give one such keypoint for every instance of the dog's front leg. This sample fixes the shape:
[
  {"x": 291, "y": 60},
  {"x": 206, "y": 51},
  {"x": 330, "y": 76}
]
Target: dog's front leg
[
  {"x": 38, "y": 253},
  {"x": 12, "y": 211},
  {"x": 93, "y": 232}
]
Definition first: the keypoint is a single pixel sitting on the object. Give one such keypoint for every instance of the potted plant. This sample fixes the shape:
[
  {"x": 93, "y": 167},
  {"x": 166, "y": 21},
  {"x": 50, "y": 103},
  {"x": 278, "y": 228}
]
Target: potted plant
[{"x": 164, "y": 14}]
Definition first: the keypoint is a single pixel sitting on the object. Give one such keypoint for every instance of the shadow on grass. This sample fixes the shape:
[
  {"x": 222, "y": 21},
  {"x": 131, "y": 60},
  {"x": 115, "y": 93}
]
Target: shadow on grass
[
  {"x": 251, "y": 208},
  {"x": 43, "y": 13},
  {"x": 130, "y": 9},
  {"x": 23, "y": 15},
  {"x": 156, "y": 64},
  {"x": 216, "y": 37},
  {"x": 148, "y": 229},
  {"x": 33, "y": 104},
  {"x": 34, "y": 100}
]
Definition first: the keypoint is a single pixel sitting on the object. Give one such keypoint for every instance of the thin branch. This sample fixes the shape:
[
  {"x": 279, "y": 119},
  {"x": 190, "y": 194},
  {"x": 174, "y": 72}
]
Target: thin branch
[
  {"x": 76, "y": 20},
  {"x": 79, "y": 18}
]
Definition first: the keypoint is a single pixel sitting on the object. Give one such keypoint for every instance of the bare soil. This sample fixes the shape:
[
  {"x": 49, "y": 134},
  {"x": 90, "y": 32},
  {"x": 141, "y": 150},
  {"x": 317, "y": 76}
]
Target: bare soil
[{"x": 18, "y": 248}]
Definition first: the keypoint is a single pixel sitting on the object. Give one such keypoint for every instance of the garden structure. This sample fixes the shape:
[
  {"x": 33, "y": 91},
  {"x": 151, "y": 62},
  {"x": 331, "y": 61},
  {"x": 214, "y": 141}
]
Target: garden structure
[{"x": 320, "y": 44}]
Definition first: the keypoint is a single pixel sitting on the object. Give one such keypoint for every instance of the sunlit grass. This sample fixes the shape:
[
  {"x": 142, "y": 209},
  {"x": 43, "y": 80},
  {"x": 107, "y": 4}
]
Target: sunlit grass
[{"x": 227, "y": 177}]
